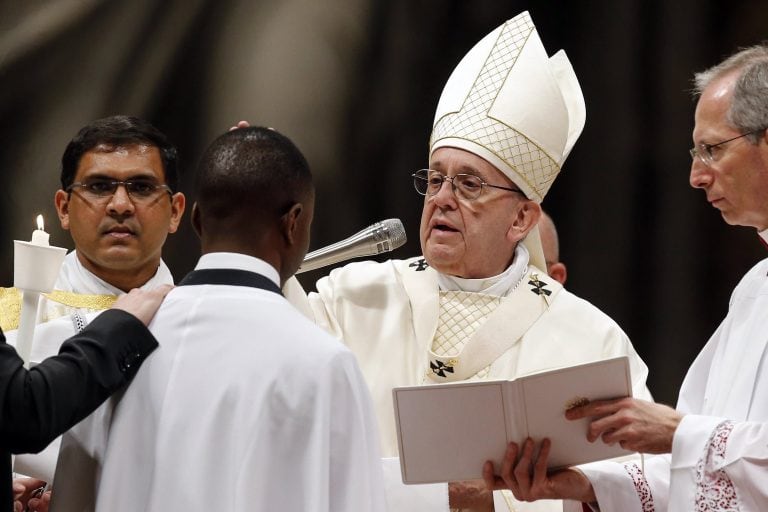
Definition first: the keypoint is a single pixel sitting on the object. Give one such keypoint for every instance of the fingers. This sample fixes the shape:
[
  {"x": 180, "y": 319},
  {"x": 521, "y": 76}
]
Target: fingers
[
  {"x": 540, "y": 468},
  {"x": 142, "y": 304},
  {"x": 522, "y": 470},
  {"x": 25, "y": 491},
  {"x": 596, "y": 409},
  {"x": 240, "y": 124},
  {"x": 507, "y": 465},
  {"x": 162, "y": 291},
  {"x": 489, "y": 476},
  {"x": 40, "y": 504}
]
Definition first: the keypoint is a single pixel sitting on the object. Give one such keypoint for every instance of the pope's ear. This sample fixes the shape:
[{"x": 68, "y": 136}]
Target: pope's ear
[
  {"x": 61, "y": 200},
  {"x": 526, "y": 216}
]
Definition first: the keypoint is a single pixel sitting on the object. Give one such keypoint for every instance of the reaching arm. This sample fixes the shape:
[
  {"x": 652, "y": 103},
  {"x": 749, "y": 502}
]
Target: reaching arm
[{"x": 39, "y": 404}]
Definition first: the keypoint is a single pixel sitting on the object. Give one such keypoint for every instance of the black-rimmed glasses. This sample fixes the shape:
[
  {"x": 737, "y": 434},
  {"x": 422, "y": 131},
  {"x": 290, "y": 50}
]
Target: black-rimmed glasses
[
  {"x": 704, "y": 150},
  {"x": 465, "y": 186},
  {"x": 101, "y": 189}
]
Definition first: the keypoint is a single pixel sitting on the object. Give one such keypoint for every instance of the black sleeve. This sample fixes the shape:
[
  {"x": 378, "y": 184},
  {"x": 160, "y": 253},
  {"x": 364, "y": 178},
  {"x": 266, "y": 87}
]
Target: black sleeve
[{"x": 37, "y": 405}]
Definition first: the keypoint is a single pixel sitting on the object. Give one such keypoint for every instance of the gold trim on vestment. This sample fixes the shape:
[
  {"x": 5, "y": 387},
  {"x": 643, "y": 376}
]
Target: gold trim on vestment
[
  {"x": 81, "y": 300},
  {"x": 10, "y": 308},
  {"x": 10, "y": 304}
]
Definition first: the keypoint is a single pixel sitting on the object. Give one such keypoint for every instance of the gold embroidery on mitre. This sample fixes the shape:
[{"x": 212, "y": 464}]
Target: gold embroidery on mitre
[
  {"x": 10, "y": 308},
  {"x": 473, "y": 123},
  {"x": 81, "y": 300}
]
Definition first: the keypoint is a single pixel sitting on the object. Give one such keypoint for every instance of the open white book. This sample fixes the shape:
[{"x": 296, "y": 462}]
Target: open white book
[{"x": 446, "y": 432}]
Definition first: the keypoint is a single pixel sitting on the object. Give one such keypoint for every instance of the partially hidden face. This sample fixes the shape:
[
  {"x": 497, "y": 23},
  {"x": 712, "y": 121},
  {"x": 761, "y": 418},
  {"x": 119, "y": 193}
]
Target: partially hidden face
[
  {"x": 118, "y": 233},
  {"x": 736, "y": 183},
  {"x": 477, "y": 238}
]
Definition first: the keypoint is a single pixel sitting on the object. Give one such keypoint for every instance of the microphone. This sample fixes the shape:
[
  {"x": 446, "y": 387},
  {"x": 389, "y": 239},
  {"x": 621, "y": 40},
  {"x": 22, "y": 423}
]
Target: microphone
[{"x": 377, "y": 238}]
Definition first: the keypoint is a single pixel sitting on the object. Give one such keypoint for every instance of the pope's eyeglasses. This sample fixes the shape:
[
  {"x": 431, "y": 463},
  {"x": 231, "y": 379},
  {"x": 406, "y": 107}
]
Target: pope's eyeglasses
[{"x": 465, "y": 186}]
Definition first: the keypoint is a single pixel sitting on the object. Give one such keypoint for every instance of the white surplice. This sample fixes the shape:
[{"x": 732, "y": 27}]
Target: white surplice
[
  {"x": 246, "y": 405},
  {"x": 719, "y": 458},
  {"x": 387, "y": 313},
  {"x": 59, "y": 322}
]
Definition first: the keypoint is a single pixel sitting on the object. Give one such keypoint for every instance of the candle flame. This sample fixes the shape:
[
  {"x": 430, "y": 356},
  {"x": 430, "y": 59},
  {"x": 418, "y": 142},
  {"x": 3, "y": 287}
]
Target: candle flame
[{"x": 40, "y": 223}]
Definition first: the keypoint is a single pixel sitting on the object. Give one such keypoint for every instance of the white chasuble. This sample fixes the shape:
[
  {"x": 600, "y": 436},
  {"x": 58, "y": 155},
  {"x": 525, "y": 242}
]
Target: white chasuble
[{"x": 387, "y": 313}]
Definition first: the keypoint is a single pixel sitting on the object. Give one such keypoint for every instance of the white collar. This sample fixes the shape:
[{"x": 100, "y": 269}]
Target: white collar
[
  {"x": 74, "y": 277},
  {"x": 240, "y": 262},
  {"x": 500, "y": 285},
  {"x": 764, "y": 235}
]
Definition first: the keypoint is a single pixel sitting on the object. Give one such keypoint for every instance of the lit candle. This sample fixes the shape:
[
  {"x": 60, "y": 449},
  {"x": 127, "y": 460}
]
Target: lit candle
[{"x": 39, "y": 236}]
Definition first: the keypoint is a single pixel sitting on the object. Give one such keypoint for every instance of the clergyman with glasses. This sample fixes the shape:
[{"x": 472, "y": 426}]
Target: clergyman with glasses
[
  {"x": 478, "y": 303},
  {"x": 713, "y": 448},
  {"x": 119, "y": 201}
]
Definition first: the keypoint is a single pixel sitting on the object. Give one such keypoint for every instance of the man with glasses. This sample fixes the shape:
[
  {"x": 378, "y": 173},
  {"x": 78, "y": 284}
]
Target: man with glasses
[
  {"x": 713, "y": 449},
  {"x": 247, "y": 405},
  {"x": 119, "y": 201},
  {"x": 478, "y": 304}
]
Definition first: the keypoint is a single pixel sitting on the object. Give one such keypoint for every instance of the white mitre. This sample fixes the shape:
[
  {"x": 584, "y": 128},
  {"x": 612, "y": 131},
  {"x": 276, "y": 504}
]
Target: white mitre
[{"x": 512, "y": 105}]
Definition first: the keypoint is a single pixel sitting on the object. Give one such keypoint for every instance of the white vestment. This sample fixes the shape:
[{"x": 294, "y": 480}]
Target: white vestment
[
  {"x": 387, "y": 313},
  {"x": 246, "y": 405},
  {"x": 59, "y": 322},
  {"x": 719, "y": 458}
]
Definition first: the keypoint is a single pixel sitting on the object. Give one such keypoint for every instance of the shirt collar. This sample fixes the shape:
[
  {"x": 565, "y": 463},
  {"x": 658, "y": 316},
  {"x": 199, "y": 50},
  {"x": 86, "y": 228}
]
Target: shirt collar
[
  {"x": 238, "y": 261},
  {"x": 764, "y": 235},
  {"x": 500, "y": 285},
  {"x": 74, "y": 277}
]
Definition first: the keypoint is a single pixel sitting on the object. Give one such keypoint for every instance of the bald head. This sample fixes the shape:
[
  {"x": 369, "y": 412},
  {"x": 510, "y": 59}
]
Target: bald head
[
  {"x": 551, "y": 246},
  {"x": 255, "y": 196}
]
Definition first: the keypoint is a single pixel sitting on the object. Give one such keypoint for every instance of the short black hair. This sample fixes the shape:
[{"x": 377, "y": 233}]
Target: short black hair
[
  {"x": 254, "y": 171},
  {"x": 119, "y": 131}
]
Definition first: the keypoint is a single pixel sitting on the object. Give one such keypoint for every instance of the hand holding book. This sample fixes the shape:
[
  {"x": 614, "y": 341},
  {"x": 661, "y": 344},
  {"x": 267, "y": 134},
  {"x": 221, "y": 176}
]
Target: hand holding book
[{"x": 446, "y": 432}]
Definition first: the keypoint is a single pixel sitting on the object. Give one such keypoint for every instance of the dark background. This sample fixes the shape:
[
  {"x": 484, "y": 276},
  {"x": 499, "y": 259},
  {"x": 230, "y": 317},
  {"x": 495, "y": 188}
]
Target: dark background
[{"x": 355, "y": 84}]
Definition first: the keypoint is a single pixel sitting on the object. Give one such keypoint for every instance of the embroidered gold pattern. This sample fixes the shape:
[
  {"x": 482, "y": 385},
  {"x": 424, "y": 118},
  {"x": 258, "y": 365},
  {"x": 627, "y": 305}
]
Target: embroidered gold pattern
[
  {"x": 81, "y": 300},
  {"x": 10, "y": 308},
  {"x": 10, "y": 304}
]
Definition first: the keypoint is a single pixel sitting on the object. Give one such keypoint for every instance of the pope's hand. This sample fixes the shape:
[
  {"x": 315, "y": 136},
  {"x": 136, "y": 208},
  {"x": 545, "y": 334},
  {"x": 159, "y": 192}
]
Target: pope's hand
[
  {"x": 240, "y": 124},
  {"x": 526, "y": 476}
]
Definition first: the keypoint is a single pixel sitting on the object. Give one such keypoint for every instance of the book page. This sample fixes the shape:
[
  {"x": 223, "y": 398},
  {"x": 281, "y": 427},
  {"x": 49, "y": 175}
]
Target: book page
[
  {"x": 447, "y": 431},
  {"x": 546, "y": 396}
]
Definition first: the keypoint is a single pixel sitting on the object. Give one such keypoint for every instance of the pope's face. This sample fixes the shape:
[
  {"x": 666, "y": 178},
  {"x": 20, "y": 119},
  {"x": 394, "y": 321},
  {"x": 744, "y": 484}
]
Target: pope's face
[
  {"x": 120, "y": 238},
  {"x": 470, "y": 239},
  {"x": 736, "y": 183}
]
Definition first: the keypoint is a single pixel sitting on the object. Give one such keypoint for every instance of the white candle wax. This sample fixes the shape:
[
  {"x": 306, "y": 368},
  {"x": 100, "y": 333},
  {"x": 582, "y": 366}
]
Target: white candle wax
[{"x": 39, "y": 236}]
